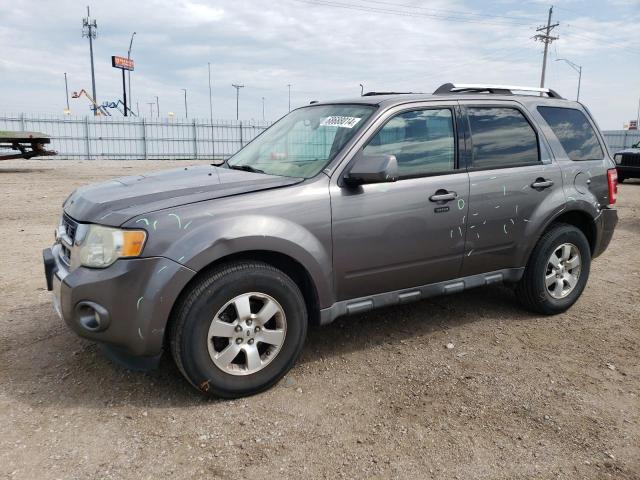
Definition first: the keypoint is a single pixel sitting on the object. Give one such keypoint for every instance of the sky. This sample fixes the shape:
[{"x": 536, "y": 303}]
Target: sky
[{"x": 323, "y": 48}]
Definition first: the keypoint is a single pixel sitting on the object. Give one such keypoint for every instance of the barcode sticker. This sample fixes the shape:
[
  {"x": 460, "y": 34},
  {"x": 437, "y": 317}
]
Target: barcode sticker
[{"x": 339, "y": 121}]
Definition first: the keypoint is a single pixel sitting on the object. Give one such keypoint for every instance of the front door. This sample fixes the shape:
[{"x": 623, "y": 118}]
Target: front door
[{"x": 411, "y": 232}]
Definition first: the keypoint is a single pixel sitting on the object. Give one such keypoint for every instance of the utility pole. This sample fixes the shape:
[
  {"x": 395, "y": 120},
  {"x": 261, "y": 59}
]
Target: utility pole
[
  {"x": 129, "y": 71},
  {"x": 289, "y": 85},
  {"x": 237, "y": 87},
  {"x": 577, "y": 68},
  {"x": 263, "y": 109},
  {"x": 210, "y": 96},
  {"x": 186, "y": 108},
  {"x": 89, "y": 28},
  {"x": 150, "y": 109},
  {"x": 547, "y": 39},
  {"x": 157, "y": 107},
  {"x": 66, "y": 88}
]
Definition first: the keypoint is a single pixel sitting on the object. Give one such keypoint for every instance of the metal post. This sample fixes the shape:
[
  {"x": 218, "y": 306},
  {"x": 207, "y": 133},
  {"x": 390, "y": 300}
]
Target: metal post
[
  {"x": 22, "y": 122},
  {"x": 144, "y": 138},
  {"x": 237, "y": 87},
  {"x": 86, "y": 136},
  {"x": 579, "y": 81},
  {"x": 195, "y": 139},
  {"x": 241, "y": 141},
  {"x": 157, "y": 107},
  {"x": 186, "y": 109},
  {"x": 66, "y": 88},
  {"x": 124, "y": 92},
  {"x": 213, "y": 142},
  {"x": 129, "y": 71}
]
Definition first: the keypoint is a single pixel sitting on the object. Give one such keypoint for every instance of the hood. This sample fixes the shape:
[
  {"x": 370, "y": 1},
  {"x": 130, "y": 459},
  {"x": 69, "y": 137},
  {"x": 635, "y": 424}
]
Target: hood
[{"x": 114, "y": 202}]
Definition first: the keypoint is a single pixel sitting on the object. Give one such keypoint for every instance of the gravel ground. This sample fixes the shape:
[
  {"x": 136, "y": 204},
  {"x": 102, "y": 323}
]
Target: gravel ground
[{"x": 374, "y": 396}]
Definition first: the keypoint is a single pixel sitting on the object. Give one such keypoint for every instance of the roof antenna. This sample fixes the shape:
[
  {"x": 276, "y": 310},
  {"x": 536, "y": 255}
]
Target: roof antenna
[{"x": 361, "y": 90}]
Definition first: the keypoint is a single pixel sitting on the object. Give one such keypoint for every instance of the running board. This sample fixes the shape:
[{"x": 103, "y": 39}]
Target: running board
[{"x": 406, "y": 295}]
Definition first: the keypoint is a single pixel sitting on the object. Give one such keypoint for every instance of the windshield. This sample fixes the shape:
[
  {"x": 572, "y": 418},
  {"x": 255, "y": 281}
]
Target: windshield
[{"x": 302, "y": 143}]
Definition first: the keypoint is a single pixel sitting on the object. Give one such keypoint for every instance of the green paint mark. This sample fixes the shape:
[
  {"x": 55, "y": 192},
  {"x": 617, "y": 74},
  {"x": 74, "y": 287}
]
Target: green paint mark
[
  {"x": 138, "y": 304},
  {"x": 146, "y": 222},
  {"x": 162, "y": 269},
  {"x": 460, "y": 203},
  {"x": 187, "y": 224},
  {"x": 155, "y": 223},
  {"x": 177, "y": 218},
  {"x": 181, "y": 258}
]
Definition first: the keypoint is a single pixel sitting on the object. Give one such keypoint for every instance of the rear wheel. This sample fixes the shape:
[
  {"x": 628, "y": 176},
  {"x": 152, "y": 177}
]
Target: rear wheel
[
  {"x": 557, "y": 271},
  {"x": 239, "y": 329}
]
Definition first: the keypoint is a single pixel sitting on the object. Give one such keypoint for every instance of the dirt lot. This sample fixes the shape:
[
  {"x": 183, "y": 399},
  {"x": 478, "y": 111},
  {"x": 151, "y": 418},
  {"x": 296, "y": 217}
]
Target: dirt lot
[{"x": 374, "y": 396}]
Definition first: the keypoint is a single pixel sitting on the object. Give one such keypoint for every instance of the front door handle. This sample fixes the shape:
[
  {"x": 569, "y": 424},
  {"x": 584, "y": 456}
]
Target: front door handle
[
  {"x": 541, "y": 183},
  {"x": 443, "y": 196}
]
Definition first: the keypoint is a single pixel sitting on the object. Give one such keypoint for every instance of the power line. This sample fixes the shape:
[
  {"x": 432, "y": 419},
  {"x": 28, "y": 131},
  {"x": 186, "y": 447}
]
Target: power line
[
  {"x": 451, "y": 12},
  {"x": 401, "y": 13}
]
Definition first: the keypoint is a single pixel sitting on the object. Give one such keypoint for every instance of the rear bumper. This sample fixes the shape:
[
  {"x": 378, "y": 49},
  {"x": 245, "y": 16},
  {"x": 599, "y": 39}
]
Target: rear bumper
[
  {"x": 605, "y": 226},
  {"x": 125, "y": 306}
]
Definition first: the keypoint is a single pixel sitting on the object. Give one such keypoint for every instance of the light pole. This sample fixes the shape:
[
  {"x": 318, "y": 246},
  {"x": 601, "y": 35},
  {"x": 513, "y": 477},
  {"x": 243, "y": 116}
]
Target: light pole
[
  {"x": 157, "y": 107},
  {"x": 129, "y": 71},
  {"x": 150, "y": 109},
  {"x": 263, "y": 109},
  {"x": 289, "y": 86},
  {"x": 237, "y": 87},
  {"x": 186, "y": 108},
  {"x": 66, "y": 88},
  {"x": 210, "y": 96},
  {"x": 89, "y": 30},
  {"x": 577, "y": 68}
]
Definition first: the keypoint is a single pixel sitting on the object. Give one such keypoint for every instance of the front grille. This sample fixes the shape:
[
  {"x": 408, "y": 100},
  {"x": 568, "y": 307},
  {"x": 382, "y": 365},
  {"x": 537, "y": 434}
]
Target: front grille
[
  {"x": 68, "y": 229},
  {"x": 630, "y": 160}
]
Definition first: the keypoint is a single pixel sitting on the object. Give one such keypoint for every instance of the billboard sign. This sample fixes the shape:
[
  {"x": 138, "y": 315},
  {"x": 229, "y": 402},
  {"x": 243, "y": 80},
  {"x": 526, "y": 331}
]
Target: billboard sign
[{"x": 122, "y": 62}]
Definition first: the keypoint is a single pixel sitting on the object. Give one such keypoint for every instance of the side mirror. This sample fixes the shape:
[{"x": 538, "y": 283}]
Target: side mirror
[{"x": 372, "y": 169}]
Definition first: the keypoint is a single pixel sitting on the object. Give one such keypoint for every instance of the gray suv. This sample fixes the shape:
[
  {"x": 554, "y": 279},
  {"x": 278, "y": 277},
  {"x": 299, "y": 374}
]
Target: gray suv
[{"x": 338, "y": 208}]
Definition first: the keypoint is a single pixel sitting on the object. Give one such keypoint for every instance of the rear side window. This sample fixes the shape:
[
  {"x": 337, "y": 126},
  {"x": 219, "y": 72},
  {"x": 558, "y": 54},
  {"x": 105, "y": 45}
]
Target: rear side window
[
  {"x": 575, "y": 133},
  {"x": 423, "y": 142},
  {"x": 501, "y": 137}
]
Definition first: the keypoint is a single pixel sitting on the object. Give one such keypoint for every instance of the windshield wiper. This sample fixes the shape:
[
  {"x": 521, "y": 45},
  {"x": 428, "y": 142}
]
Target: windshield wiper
[{"x": 246, "y": 168}]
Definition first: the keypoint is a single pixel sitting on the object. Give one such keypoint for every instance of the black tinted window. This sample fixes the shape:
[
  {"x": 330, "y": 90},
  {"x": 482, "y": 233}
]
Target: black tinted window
[
  {"x": 501, "y": 137},
  {"x": 574, "y": 132},
  {"x": 421, "y": 140}
]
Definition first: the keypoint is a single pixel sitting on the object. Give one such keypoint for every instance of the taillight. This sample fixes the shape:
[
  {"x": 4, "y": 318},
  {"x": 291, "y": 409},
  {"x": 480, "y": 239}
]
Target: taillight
[{"x": 612, "y": 180}]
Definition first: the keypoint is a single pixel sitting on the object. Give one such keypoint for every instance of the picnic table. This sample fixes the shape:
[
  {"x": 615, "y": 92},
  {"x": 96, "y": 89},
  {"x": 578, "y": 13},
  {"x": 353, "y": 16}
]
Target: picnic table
[{"x": 28, "y": 144}]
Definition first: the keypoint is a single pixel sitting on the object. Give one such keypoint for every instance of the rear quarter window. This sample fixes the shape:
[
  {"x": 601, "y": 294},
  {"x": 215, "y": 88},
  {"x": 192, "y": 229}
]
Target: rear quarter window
[{"x": 575, "y": 133}]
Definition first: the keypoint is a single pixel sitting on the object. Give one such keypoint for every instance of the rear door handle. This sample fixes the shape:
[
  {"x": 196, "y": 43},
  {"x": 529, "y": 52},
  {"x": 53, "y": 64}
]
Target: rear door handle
[
  {"x": 443, "y": 196},
  {"x": 542, "y": 183}
]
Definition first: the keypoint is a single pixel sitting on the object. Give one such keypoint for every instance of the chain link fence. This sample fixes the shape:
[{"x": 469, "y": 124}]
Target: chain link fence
[{"x": 135, "y": 138}]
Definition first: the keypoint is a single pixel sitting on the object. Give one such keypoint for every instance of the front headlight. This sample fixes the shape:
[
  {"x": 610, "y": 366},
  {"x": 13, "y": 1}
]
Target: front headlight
[{"x": 101, "y": 246}]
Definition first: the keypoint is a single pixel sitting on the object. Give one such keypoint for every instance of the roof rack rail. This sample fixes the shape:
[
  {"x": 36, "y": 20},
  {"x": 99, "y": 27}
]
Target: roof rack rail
[
  {"x": 495, "y": 89},
  {"x": 373, "y": 94}
]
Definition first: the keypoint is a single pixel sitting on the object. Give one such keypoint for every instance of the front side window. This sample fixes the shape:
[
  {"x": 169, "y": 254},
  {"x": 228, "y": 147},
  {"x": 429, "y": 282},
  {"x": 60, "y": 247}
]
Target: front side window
[
  {"x": 303, "y": 142},
  {"x": 501, "y": 137},
  {"x": 574, "y": 132},
  {"x": 423, "y": 142}
]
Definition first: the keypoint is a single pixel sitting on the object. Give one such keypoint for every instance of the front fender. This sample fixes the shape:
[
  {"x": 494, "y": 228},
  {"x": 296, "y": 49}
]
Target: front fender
[{"x": 198, "y": 241}]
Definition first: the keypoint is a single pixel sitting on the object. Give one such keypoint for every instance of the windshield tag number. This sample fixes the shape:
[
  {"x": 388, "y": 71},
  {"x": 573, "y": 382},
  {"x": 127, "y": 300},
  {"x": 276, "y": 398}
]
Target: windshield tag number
[{"x": 340, "y": 122}]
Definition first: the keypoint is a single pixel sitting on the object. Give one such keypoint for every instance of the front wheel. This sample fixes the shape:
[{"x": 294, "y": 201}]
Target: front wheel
[
  {"x": 557, "y": 271},
  {"x": 239, "y": 329}
]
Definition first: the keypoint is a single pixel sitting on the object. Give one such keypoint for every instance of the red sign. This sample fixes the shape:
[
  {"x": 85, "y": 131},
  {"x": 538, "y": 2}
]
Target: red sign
[{"x": 122, "y": 62}]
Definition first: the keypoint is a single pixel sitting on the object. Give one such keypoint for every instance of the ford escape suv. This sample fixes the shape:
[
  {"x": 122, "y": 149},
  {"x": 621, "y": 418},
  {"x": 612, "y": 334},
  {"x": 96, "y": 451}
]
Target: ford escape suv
[{"x": 338, "y": 208}]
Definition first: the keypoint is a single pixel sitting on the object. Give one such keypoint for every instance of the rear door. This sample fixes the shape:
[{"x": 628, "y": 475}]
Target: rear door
[
  {"x": 408, "y": 233},
  {"x": 514, "y": 186}
]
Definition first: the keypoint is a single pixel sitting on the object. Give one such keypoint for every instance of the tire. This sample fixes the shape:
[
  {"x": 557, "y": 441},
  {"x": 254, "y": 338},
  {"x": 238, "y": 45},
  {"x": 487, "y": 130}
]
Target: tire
[
  {"x": 533, "y": 290},
  {"x": 196, "y": 345}
]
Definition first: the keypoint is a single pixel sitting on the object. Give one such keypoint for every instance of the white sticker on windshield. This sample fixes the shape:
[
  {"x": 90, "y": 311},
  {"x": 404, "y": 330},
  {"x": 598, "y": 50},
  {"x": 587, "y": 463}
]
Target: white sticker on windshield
[{"x": 339, "y": 121}]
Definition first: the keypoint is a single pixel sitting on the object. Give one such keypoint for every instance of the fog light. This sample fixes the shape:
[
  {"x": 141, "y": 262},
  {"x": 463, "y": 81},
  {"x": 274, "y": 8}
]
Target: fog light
[{"x": 92, "y": 317}]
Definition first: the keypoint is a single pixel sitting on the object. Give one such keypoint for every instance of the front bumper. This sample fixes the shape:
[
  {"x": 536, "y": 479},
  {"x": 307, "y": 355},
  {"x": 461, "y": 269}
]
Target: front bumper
[
  {"x": 605, "y": 226},
  {"x": 627, "y": 171},
  {"x": 132, "y": 300}
]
